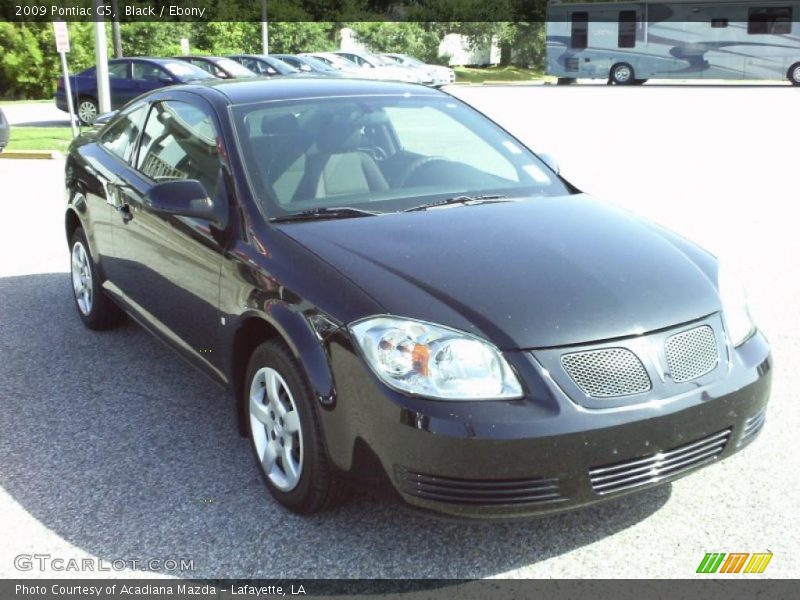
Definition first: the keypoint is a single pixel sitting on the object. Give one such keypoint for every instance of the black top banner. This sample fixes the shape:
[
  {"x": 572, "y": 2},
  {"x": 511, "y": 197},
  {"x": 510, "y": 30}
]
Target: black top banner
[{"x": 442, "y": 11}]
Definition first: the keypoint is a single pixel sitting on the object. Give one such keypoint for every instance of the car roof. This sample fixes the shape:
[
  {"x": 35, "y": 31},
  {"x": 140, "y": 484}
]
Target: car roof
[{"x": 287, "y": 88}]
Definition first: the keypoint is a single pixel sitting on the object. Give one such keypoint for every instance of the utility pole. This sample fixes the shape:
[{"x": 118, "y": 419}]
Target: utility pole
[
  {"x": 101, "y": 60},
  {"x": 115, "y": 31},
  {"x": 264, "y": 29}
]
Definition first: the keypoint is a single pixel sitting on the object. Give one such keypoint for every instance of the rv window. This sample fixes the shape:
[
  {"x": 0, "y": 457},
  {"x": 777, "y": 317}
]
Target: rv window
[
  {"x": 627, "y": 29},
  {"x": 716, "y": 23},
  {"x": 774, "y": 20},
  {"x": 580, "y": 30}
]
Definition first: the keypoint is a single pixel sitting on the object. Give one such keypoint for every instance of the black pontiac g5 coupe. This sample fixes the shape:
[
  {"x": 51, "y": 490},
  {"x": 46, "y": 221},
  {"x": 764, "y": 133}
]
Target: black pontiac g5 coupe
[{"x": 390, "y": 285}]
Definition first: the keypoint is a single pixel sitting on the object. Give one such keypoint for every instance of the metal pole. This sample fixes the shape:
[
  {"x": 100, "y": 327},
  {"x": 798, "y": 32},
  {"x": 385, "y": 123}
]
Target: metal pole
[
  {"x": 116, "y": 34},
  {"x": 264, "y": 28},
  {"x": 68, "y": 91},
  {"x": 101, "y": 59}
]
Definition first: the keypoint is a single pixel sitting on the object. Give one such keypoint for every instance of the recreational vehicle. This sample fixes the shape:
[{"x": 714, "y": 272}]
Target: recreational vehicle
[{"x": 630, "y": 42}]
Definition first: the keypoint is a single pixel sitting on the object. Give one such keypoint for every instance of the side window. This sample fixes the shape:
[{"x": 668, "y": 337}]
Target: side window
[
  {"x": 770, "y": 20},
  {"x": 120, "y": 137},
  {"x": 179, "y": 142},
  {"x": 627, "y": 29},
  {"x": 208, "y": 67},
  {"x": 292, "y": 62},
  {"x": 580, "y": 30},
  {"x": 148, "y": 72},
  {"x": 118, "y": 70}
]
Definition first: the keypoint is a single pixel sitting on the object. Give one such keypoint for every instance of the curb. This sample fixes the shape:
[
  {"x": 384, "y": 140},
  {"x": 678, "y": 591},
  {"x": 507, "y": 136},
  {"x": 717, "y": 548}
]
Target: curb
[{"x": 31, "y": 154}]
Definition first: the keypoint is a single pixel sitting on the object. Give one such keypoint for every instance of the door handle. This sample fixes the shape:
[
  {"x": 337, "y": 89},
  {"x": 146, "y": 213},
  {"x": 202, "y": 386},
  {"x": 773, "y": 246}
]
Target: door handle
[{"x": 126, "y": 213}]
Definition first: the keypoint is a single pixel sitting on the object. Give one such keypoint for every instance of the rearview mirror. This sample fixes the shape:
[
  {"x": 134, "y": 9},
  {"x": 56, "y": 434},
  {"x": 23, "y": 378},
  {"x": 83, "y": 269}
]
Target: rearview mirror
[
  {"x": 187, "y": 198},
  {"x": 550, "y": 162}
]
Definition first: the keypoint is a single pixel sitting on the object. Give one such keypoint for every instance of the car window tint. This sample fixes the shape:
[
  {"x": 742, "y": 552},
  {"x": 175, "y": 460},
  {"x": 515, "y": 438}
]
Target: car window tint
[
  {"x": 118, "y": 70},
  {"x": 147, "y": 72},
  {"x": 120, "y": 137},
  {"x": 179, "y": 142},
  {"x": 453, "y": 141}
]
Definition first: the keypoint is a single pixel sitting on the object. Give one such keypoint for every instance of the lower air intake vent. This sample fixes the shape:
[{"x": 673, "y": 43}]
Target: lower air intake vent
[
  {"x": 488, "y": 492},
  {"x": 606, "y": 373},
  {"x": 691, "y": 354},
  {"x": 752, "y": 426},
  {"x": 657, "y": 467}
]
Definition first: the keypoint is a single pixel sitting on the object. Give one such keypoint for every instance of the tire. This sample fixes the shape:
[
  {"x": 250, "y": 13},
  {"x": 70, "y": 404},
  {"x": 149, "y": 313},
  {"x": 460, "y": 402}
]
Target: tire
[
  {"x": 87, "y": 110},
  {"x": 622, "y": 74},
  {"x": 96, "y": 310},
  {"x": 794, "y": 74},
  {"x": 288, "y": 450}
]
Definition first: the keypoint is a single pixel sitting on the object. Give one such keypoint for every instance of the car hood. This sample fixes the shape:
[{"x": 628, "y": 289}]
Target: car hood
[{"x": 537, "y": 273}]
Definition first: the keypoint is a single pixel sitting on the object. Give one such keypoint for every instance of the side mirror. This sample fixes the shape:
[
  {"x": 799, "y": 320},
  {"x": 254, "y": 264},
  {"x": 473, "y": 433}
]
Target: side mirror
[
  {"x": 166, "y": 80},
  {"x": 550, "y": 162},
  {"x": 187, "y": 198}
]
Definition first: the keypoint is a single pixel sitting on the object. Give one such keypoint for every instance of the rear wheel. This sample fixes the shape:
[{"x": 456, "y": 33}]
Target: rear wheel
[
  {"x": 96, "y": 310},
  {"x": 87, "y": 110},
  {"x": 622, "y": 74},
  {"x": 285, "y": 432},
  {"x": 794, "y": 74}
]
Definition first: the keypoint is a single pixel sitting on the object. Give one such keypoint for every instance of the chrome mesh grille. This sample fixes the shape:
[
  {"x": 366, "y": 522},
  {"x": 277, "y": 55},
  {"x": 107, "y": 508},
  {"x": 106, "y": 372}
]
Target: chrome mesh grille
[
  {"x": 657, "y": 467},
  {"x": 607, "y": 372},
  {"x": 691, "y": 353}
]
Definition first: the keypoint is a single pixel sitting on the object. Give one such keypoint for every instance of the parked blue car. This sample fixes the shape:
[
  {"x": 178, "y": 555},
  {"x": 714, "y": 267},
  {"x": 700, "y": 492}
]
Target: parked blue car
[{"x": 129, "y": 78}]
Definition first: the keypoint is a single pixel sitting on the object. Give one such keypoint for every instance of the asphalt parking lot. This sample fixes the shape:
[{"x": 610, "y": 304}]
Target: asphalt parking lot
[{"x": 110, "y": 447}]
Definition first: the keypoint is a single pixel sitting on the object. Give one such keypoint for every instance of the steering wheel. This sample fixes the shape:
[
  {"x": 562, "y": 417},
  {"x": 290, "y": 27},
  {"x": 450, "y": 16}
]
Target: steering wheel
[{"x": 414, "y": 166}]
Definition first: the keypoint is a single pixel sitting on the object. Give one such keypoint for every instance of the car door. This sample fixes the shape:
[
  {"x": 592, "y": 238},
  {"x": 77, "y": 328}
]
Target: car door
[
  {"x": 123, "y": 87},
  {"x": 167, "y": 267},
  {"x": 149, "y": 76},
  {"x": 105, "y": 161}
]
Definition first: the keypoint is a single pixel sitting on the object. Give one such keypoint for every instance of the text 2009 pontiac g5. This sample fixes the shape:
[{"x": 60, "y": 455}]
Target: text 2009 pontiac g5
[{"x": 392, "y": 285}]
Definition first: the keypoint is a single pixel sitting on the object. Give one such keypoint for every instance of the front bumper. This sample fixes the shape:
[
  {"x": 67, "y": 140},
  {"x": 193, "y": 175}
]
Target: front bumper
[{"x": 544, "y": 453}]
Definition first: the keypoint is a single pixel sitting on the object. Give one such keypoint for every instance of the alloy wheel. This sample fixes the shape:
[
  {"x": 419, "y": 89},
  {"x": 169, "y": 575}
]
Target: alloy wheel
[
  {"x": 275, "y": 426},
  {"x": 622, "y": 74},
  {"x": 87, "y": 111},
  {"x": 82, "y": 279}
]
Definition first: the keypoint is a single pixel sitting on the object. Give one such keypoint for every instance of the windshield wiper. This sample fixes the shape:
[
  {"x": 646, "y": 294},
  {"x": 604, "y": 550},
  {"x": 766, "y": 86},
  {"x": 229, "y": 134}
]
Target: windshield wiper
[
  {"x": 340, "y": 212},
  {"x": 467, "y": 200}
]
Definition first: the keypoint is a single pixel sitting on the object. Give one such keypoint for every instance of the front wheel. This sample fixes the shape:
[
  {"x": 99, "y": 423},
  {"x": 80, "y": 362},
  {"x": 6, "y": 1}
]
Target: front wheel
[
  {"x": 96, "y": 310},
  {"x": 285, "y": 432},
  {"x": 794, "y": 74},
  {"x": 622, "y": 74}
]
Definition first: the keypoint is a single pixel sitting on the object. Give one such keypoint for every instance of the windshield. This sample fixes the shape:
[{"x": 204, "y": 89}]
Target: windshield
[
  {"x": 380, "y": 153},
  {"x": 317, "y": 64},
  {"x": 234, "y": 68},
  {"x": 186, "y": 72}
]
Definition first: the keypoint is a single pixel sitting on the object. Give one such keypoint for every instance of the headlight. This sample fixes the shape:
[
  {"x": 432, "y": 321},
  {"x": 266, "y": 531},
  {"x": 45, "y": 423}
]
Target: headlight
[
  {"x": 738, "y": 322},
  {"x": 436, "y": 362}
]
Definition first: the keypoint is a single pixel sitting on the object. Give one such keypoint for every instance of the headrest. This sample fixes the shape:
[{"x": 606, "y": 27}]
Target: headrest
[
  {"x": 341, "y": 135},
  {"x": 281, "y": 125}
]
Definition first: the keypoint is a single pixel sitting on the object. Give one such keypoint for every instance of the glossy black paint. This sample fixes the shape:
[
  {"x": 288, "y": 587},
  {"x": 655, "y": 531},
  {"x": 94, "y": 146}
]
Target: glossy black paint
[{"x": 528, "y": 275}]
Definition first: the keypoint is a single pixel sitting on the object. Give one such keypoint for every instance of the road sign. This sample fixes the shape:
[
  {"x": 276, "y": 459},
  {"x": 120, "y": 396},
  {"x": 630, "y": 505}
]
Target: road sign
[
  {"x": 62, "y": 36},
  {"x": 184, "y": 45},
  {"x": 62, "y": 45}
]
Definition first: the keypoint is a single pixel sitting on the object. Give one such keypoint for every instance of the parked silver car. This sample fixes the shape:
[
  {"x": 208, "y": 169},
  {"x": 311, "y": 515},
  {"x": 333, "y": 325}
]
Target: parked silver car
[
  {"x": 441, "y": 75},
  {"x": 385, "y": 70}
]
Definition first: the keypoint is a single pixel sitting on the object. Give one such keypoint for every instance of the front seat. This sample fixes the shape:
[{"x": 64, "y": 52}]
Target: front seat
[{"x": 339, "y": 167}]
